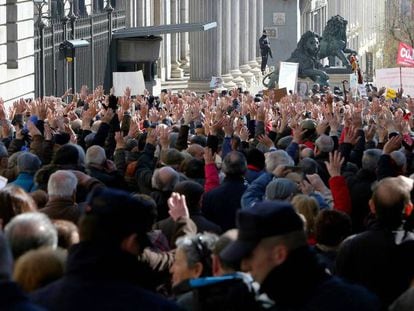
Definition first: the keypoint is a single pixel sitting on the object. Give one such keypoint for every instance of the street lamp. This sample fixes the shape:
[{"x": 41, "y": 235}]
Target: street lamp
[{"x": 41, "y": 25}]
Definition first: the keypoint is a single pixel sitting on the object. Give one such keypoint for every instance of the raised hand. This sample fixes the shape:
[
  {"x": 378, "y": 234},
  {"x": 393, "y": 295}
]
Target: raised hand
[
  {"x": 177, "y": 206},
  {"x": 335, "y": 163}
]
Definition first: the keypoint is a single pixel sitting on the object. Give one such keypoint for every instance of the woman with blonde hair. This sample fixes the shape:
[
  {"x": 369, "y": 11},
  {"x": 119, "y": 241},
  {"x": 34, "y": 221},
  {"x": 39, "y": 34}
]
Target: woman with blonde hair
[{"x": 308, "y": 207}]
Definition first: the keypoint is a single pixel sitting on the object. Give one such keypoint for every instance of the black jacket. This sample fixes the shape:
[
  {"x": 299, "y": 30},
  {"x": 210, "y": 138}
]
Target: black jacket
[
  {"x": 301, "y": 283},
  {"x": 374, "y": 259},
  {"x": 221, "y": 204},
  {"x": 264, "y": 45},
  {"x": 12, "y": 298},
  {"x": 100, "y": 278},
  {"x": 359, "y": 186}
]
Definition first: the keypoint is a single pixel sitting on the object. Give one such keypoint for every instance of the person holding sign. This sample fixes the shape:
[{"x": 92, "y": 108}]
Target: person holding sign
[{"x": 265, "y": 50}]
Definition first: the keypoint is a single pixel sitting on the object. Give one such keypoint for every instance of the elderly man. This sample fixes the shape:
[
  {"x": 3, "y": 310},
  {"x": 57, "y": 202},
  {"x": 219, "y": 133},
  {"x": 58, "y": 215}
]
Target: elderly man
[
  {"x": 12, "y": 297},
  {"x": 163, "y": 182},
  {"x": 99, "y": 167},
  {"x": 375, "y": 258},
  {"x": 272, "y": 245},
  {"x": 62, "y": 197},
  {"x": 30, "y": 231}
]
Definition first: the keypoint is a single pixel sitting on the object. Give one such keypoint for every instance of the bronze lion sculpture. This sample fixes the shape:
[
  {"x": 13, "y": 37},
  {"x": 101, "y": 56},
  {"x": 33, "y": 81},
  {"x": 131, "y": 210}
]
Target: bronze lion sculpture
[
  {"x": 306, "y": 55},
  {"x": 333, "y": 42}
]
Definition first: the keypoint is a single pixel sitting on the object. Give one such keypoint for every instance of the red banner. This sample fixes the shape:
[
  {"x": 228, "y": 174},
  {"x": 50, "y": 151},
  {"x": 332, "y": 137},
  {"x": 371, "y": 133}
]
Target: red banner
[{"x": 405, "y": 55}]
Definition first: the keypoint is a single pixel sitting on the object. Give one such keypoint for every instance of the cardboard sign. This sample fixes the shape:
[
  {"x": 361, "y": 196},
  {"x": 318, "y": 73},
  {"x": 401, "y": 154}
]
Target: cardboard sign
[
  {"x": 133, "y": 80},
  {"x": 275, "y": 95},
  {"x": 288, "y": 75}
]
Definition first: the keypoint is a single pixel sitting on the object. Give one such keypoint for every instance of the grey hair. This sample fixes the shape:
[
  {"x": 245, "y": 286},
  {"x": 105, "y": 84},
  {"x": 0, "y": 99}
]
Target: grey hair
[
  {"x": 95, "y": 155},
  {"x": 165, "y": 178},
  {"x": 197, "y": 248},
  {"x": 276, "y": 158},
  {"x": 29, "y": 231},
  {"x": 234, "y": 164},
  {"x": 399, "y": 158},
  {"x": 370, "y": 159},
  {"x": 325, "y": 143},
  {"x": 62, "y": 184}
]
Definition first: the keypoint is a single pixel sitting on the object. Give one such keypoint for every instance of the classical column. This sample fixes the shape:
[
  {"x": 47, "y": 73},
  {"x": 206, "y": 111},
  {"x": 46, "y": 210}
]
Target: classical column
[
  {"x": 140, "y": 15},
  {"x": 253, "y": 40},
  {"x": 176, "y": 71},
  {"x": 227, "y": 45},
  {"x": 235, "y": 44},
  {"x": 259, "y": 27},
  {"x": 184, "y": 43},
  {"x": 244, "y": 42},
  {"x": 164, "y": 19},
  {"x": 205, "y": 47}
]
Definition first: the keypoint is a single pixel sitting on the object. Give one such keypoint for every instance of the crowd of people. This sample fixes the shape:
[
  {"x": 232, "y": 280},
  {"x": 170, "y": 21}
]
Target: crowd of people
[{"x": 221, "y": 201}]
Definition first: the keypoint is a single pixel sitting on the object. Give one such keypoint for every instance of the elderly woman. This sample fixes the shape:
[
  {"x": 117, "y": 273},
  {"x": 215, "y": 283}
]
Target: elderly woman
[{"x": 192, "y": 260}]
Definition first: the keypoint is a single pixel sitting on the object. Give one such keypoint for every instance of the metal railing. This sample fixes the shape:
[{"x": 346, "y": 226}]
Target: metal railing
[{"x": 91, "y": 62}]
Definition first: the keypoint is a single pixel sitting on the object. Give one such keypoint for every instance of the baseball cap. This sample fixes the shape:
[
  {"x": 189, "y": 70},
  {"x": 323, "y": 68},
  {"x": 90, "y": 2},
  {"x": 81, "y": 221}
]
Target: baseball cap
[{"x": 262, "y": 220}]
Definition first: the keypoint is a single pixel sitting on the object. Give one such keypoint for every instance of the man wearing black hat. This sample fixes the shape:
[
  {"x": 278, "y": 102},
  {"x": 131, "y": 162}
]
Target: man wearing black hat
[
  {"x": 102, "y": 271},
  {"x": 272, "y": 244},
  {"x": 265, "y": 50}
]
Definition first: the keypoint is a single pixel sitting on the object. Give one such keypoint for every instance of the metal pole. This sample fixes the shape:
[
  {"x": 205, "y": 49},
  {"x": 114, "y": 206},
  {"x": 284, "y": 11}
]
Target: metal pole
[
  {"x": 41, "y": 25},
  {"x": 73, "y": 18},
  {"x": 92, "y": 55},
  {"x": 109, "y": 9},
  {"x": 65, "y": 63}
]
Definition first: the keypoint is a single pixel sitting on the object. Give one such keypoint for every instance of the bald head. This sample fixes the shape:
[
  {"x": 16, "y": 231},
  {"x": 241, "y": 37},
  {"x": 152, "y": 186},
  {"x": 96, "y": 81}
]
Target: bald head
[
  {"x": 196, "y": 151},
  {"x": 389, "y": 199},
  {"x": 165, "y": 178}
]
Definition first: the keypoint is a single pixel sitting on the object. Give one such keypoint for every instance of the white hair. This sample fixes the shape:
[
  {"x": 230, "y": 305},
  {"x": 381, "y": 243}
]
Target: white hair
[
  {"x": 276, "y": 158},
  {"x": 95, "y": 155},
  {"x": 29, "y": 231},
  {"x": 62, "y": 184}
]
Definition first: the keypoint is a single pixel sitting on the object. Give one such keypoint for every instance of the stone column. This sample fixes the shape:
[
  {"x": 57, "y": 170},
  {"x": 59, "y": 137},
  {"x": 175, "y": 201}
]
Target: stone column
[
  {"x": 244, "y": 42},
  {"x": 184, "y": 43},
  {"x": 235, "y": 44},
  {"x": 259, "y": 28},
  {"x": 164, "y": 19},
  {"x": 253, "y": 40},
  {"x": 176, "y": 71},
  {"x": 140, "y": 15},
  {"x": 205, "y": 47},
  {"x": 227, "y": 16}
]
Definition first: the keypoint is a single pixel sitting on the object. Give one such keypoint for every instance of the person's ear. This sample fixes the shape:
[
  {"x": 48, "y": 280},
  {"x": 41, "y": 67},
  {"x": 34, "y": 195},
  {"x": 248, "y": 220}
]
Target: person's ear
[
  {"x": 130, "y": 244},
  {"x": 371, "y": 206},
  {"x": 217, "y": 269},
  {"x": 279, "y": 254},
  {"x": 197, "y": 270}
]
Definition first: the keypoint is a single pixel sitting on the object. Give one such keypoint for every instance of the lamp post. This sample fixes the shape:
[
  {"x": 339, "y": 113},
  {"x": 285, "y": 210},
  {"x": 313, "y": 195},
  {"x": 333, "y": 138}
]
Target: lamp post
[
  {"x": 41, "y": 25},
  {"x": 72, "y": 18},
  {"x": 64, "y": 20}
]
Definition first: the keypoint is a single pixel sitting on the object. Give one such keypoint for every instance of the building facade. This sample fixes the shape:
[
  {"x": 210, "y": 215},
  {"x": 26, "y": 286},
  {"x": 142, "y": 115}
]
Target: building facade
[{"x": 16, "y": 49}]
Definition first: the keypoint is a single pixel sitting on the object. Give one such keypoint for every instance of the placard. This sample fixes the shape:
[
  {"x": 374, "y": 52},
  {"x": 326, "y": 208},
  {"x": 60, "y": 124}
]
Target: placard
[
  {"x": 288, "y": 75},
  {"x": 134, "y": 80}
]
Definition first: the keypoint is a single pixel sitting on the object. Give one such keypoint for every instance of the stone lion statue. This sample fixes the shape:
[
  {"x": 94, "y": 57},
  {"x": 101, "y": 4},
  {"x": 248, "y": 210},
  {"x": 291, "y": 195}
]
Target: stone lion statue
[
  {"x": 306, "y": 55},
  {"x": 333, "y": 42}
]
